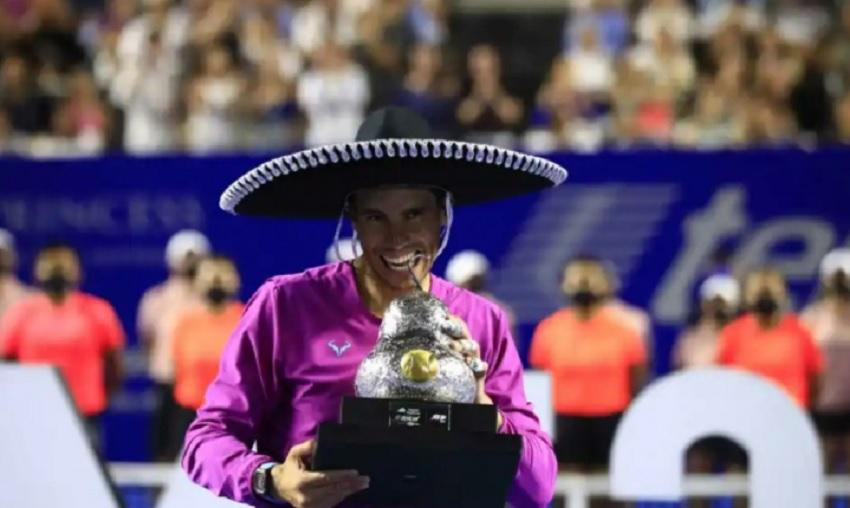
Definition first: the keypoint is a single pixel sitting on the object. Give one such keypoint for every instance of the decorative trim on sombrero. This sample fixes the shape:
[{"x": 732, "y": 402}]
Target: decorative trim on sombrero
[{"x": 387, "y": 148}]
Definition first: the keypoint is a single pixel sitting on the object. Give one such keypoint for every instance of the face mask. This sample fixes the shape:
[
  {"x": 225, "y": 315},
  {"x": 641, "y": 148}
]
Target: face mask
[
  {"x": 216, "y": 295},
  {"x": 56, "y": 284},
  {"x": 584, "y": 298},
  {"x": 766, "y": 305},
  {"x": 722, "y": 316},
  {"x": 841, "y": 286}
]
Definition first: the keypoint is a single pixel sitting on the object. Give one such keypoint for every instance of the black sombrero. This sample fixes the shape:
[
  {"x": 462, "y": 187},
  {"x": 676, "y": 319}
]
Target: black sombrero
[{"x": 393, "y": 147}]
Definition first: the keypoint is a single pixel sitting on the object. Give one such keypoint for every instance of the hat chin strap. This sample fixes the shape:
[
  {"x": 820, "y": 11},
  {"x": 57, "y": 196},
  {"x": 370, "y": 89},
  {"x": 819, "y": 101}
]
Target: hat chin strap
[{"x": 445, "y": 231}]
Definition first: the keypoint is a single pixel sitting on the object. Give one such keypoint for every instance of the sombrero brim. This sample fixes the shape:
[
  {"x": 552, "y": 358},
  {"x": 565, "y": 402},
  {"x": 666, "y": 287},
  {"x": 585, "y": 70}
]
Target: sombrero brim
[{"x": 314, "y": 183}]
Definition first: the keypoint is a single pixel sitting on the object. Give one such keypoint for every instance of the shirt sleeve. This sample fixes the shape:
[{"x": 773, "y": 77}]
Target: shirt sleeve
[
  {"x": 108, "y": 326},
  {"x": 636, "y": 349},
  {"x": 217, "y": 452},
  {"x": 10, "y": 331},
  {"x": 534, "y": 483},
  {"x": 539, "y": 355}
]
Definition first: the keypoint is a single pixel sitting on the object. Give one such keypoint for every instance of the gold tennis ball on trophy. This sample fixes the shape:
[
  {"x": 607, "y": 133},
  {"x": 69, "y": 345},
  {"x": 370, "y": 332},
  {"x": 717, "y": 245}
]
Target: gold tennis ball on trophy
[{"x": 419, "y": 365}]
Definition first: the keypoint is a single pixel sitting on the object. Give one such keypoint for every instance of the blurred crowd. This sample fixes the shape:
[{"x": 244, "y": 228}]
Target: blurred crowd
[{"x": 203, "y": 76}]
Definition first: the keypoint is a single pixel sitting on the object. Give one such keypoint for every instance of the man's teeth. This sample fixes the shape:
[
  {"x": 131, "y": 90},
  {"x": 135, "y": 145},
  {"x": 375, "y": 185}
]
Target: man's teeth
[{"x": 401, "y": 263}]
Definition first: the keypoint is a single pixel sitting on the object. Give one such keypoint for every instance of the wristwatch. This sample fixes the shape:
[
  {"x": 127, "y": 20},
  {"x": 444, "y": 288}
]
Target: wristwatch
[{"x": 262, "y": 484}]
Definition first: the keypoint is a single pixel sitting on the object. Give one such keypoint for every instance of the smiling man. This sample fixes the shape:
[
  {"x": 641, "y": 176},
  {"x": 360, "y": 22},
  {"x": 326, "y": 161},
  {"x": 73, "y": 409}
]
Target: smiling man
[{"x": 296, "y": 350}]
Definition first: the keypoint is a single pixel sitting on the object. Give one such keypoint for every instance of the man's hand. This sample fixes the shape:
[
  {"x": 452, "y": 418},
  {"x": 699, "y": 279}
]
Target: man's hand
[
  {"x": 313, "y": 489},
  {"x": 471, "y": 352}
]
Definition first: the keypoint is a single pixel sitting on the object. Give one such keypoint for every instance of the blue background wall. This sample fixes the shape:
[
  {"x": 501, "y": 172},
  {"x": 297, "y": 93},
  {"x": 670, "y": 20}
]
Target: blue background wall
[{"x": 658, "y": 216}]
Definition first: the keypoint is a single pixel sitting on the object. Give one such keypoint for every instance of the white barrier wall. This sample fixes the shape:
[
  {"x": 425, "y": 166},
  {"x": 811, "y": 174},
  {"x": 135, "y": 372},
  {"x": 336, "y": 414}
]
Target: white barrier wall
[
  {"x": 647, "y": 458},
  {"x": 45, "y": 457}
]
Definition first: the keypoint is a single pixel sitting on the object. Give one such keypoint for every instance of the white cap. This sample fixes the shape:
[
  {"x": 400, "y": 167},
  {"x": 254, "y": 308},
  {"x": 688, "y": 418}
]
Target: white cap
[
  {"x": 182, "y": 243},
  {"x": 835, "y": 260},
  {"x": 348, "y": 248},
  {"x": 466, "y": 264},
  {"x": 7, "y": 241},
  {"x": 722, "y": 286}
]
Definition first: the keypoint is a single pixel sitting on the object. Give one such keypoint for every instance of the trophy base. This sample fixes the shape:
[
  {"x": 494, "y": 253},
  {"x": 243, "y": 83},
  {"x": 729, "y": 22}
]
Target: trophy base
[{"x": 418, "y": 461}]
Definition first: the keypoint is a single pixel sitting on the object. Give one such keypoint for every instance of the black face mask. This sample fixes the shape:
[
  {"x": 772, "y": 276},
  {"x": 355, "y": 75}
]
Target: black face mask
[
  {"x": 56, "y": 284},
  {"x": 766, "y": 305},
  {"x": 722, "y": 316},
  {"x": 584, "y": 298},
  {"x": 216, "y": 295},
  {"x": 841, "y": 286}
]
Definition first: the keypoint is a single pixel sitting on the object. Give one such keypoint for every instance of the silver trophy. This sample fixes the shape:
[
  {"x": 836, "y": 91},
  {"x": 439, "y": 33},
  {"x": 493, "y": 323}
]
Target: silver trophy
[{"x": 414, "y": 359}]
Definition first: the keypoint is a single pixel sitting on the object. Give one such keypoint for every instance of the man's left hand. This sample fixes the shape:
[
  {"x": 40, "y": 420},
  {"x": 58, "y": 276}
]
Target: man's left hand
[{"x": 471, "y": 352}]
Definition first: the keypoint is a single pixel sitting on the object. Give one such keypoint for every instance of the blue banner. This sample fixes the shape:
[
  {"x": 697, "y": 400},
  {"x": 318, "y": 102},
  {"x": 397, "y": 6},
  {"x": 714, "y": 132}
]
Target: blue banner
[{"x": 659, "y": 217}]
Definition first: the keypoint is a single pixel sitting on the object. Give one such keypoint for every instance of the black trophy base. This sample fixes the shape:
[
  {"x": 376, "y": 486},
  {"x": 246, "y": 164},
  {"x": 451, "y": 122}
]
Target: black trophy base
[{"x": 417, "y": 460}]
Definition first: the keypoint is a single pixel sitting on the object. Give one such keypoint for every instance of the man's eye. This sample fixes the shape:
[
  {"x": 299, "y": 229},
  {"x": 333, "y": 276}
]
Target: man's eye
[
  {"x": 412, "y": 214},
  {"x": 373, "y": 218}
]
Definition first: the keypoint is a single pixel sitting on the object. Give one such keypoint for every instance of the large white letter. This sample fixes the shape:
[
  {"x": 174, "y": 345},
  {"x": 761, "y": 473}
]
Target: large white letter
[{"x": 647, "y": 458}]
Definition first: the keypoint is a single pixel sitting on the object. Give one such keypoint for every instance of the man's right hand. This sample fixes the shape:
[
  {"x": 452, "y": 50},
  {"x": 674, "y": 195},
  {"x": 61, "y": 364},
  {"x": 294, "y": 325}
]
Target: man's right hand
[{"x": 302, "y": 488}]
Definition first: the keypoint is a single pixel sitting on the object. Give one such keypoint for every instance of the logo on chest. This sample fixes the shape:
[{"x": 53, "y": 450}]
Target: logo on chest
[{"x": 339, "y": 349}]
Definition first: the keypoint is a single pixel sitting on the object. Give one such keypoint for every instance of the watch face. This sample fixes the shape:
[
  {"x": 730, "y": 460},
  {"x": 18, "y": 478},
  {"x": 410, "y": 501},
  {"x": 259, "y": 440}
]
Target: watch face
[{"x": 260, "y": 481}]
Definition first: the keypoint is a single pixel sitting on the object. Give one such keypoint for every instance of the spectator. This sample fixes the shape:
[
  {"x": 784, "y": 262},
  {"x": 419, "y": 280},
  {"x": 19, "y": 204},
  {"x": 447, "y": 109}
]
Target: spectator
[
  {"x": 488, "y": 109},
  {"x": 88, "y": 113},
  {"x": 271, "y": 97},
  {"x": 215, "y": 102},
  {"x": 829, "y": 320},
  {"x": 334, "y": 95},
  {"x": 607, "y": 18},
  {"x": 591, "y": 67},
  {"x": 12, "y": 290},
  {"x": 146, "y": 88},
  {"x": 74, "y": 331},
  {"x": 597, "y": 363},
  {"x": 719, "y": 297},
  {"x": 28, "y": 108},
  {"x": 667, "y": 62},
  {"x": 771, "y": 341},
  {"x": 837, "y": 53},
  {"x": 201, "y": 333},
  {"x": 428, "y": 90},
  {"x": 159, "y": 309},
  {"x": 671, "y": 16},
  {"x": 714, "y": 15},
  {"x": 211, "y": 22},
  {"x": 386, "y": 37},
  {"x": 469, "y": 270},
  {"x": 801, "y": 23},
  {"x": 560, "y": 112},
  {"x": 842, "y": 119},
  {"x": 714, "y": 124},
  {"x": 321, "y": 22}
]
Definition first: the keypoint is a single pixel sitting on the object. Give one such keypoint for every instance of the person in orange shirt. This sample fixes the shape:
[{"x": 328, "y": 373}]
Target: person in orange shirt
[
  {"x": 597, "y": 363},
  {"x": 77, "y": 332},
  {"x": 772, "y": 342},
  {"x": 201, "y": 333}
]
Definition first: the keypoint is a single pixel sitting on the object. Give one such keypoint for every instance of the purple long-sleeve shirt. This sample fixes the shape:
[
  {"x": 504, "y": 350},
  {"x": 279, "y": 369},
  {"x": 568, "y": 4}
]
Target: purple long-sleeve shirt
[{"x": 293, "y": 357}]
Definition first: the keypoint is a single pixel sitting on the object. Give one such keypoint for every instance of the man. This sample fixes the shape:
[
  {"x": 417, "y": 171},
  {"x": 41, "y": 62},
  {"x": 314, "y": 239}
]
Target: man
[
  {"x": 12, "y": 290},
  {"x": 201, "y": 333},
  {"x": 469, "y": 269},
  {"x": 297, "y": 348},
  {"x": 598, "y": 363},
  {"x": 829, "y": 320},
  {"x": 159, "y": 309},
  {"x": 719, "y": 296},
  {"x": 61, "y": 326},
  {"x": 772, "y": 342}
]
